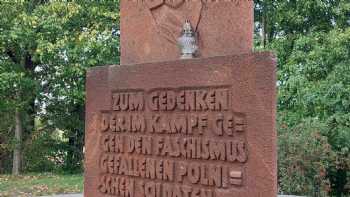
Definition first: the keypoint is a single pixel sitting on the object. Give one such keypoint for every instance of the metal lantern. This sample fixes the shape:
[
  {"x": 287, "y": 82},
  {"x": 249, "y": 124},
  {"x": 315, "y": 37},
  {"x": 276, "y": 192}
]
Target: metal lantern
[{"x": 187, "y": 42}]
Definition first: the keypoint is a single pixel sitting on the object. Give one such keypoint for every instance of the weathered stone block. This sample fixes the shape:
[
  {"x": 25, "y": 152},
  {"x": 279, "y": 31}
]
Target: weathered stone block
[
  {"x": 150, "y": 28},
  {"x": 200, "y": 127}
]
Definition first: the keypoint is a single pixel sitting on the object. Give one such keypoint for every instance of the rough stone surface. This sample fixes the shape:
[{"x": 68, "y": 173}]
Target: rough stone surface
[
  {"x": 189, "y": 126},
  {"x": 81, "y": 195},
  {"x": 150, "y": 28},
  {"x": 66, "y": 195}
]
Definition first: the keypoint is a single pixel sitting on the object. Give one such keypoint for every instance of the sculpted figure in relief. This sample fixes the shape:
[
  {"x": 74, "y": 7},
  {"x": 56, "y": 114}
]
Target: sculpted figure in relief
[
  {"x": 151, "y": 28},
  {"x": 170, "y": 16}
]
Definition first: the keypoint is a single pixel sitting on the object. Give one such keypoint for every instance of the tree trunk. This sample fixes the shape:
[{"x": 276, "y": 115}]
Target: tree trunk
[
  {"x": 17, "y": 153},
  {"x": 264, "y": 27}
]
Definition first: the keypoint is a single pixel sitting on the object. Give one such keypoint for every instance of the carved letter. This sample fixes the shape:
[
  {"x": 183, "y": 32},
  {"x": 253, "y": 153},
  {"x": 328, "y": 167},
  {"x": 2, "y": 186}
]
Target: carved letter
[
  {"x": 105, "y": 122},
  {"x": 193, "y": 173},
  {"x": 153, "y": 101}
]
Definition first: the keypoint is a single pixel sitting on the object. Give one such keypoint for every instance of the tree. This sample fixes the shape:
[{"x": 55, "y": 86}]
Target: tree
[
  {"x": 18, "y": 83},
  {"x": 287, "y": 20},
  {"x": 88, "y": 37},
  {"x": 310, "y": 38},
  {"x": 315, "y": 83},
  {"x": 46, "y": 47}
]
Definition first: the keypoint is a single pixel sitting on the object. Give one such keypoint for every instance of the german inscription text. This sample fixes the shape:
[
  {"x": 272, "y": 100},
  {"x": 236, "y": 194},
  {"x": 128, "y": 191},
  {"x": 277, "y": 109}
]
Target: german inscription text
[{"x": 183, "y": 142}]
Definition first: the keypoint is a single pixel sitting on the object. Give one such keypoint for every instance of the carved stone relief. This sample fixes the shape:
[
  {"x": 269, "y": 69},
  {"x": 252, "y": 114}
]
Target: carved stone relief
[
  {"x": 150, "y": 28},
  {"x": 170, "y": 15}
]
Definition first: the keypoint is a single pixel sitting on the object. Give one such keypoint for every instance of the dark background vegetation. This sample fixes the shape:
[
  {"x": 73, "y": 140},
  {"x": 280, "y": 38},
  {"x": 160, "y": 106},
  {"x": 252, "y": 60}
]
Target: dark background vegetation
[{"x": 47, "y": 46}]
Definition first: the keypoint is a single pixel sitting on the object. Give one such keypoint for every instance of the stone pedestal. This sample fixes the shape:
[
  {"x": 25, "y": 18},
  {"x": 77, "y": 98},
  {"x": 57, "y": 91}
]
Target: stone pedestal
[{"x": 201, "y": 127}]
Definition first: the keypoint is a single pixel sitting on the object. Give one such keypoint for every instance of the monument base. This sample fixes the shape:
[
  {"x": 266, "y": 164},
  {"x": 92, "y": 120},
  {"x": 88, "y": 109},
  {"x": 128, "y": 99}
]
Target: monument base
[{"x": 199, "y": 127}]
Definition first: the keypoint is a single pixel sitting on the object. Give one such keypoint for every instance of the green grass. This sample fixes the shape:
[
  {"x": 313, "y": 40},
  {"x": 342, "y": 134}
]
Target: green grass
[{"x": 39, "y": 184}]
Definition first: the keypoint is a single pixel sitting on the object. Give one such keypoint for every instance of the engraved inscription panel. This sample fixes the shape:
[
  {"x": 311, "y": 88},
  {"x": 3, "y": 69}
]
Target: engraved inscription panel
[
  {"x": 194, "y": 128},
  {"x": 171, "y": 142}
]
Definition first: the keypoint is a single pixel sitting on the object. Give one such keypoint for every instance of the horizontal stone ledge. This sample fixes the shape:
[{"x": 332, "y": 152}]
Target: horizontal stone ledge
[{"x": 81, "y": 195}]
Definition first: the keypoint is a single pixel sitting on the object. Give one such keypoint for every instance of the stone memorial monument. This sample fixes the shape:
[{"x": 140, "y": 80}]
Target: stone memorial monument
[
  {"x": 150, "y": 28},
  {"x": 190, "y": 112}
]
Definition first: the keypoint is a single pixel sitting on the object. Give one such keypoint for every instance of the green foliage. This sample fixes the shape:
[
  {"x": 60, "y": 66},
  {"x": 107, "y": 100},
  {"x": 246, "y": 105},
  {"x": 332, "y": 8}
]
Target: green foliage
[
  {"x": 315, "y": 84},
  {"x": 45, "y": 49},
  {"x": 85, "y": 36},
  {"x": 311, "y": 40},
  {"x": 43, "y": 152},
  {"x": 304, "y": 155}
]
